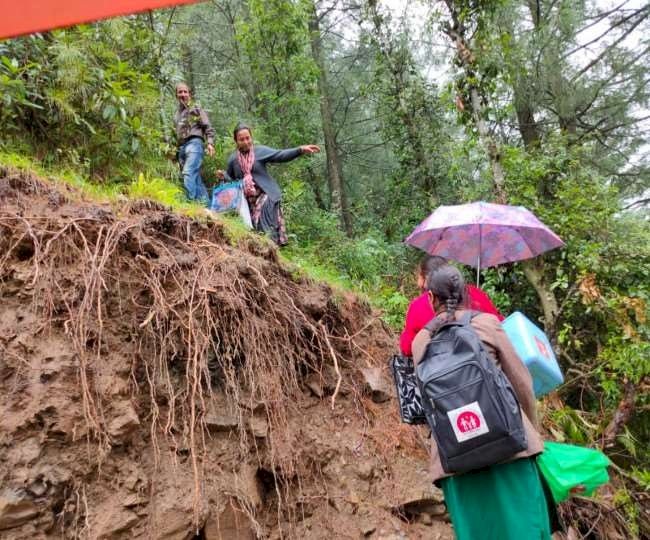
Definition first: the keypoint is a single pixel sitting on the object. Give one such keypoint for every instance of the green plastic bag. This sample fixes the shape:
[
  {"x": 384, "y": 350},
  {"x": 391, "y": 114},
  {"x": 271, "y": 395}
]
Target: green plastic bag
[{"x": 566, "y": 466}]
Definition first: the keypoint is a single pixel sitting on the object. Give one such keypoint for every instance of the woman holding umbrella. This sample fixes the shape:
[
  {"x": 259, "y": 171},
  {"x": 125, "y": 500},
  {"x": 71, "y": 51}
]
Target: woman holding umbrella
[
  {"x": 476, "y": 234},
  {"x": 420, "y": 312}
]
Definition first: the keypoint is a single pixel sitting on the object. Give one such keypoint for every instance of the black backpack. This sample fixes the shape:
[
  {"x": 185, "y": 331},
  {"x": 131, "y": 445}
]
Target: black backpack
[{"x": 469, "y": 403}]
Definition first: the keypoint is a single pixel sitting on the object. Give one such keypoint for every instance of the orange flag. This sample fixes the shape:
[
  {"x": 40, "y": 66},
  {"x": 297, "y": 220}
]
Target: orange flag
[{"x": 28, "y": 16}]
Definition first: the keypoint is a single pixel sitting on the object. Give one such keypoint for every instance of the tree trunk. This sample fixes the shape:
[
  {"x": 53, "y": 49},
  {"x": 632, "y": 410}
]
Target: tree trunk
[
  {"x": 526, "y": 123},
  {"x": 535, "y": 275},
  {"x": 491, "y": 146},
  {"x": 334, "y": 167},
  {"x": 621, "y": 416},
  {"x": 188, "y": 68},
  {"x": 456, "y": 31}
]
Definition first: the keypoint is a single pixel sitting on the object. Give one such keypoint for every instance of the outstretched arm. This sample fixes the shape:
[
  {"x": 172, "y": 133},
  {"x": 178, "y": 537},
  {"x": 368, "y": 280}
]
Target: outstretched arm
[
  {"x": 281, "y": 156},
  {"x": 310, "y": 149}
]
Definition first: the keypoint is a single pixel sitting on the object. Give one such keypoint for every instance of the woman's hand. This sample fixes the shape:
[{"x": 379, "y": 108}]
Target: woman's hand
[
  {"x": 221, "y": 175},
  {"x": 310, "y": 149}
]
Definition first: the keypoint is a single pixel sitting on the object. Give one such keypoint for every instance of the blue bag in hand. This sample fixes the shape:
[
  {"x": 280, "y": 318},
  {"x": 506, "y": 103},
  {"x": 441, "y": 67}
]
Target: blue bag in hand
[{"x": 226, "y": 197}]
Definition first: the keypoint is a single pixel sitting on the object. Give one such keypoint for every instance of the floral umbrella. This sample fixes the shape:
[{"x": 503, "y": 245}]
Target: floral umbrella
[{"x": 483, "y": 234}]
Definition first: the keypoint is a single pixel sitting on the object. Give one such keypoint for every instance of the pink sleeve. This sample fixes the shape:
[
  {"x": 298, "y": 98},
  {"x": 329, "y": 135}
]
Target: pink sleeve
[
  {"x": 418, "y": 315},
  {"x": 480, "y": 301},
  {"x": 409, "y": 332}
]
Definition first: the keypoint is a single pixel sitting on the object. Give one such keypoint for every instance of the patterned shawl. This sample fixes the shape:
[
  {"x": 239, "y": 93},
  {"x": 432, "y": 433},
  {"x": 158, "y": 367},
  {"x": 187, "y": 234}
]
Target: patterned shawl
[{"x": 246, "y": 162}]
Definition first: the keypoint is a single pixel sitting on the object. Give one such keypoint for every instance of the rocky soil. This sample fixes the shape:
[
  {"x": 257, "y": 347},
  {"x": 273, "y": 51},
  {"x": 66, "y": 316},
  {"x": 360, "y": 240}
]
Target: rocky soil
[{"x": 158, "y": 381}]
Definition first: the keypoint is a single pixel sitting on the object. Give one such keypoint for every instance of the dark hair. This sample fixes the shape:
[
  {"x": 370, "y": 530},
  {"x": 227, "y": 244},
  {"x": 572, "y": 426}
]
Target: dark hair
[
  {"x": 446, "y": 283},
  {"x": 240, "y": 127},
  {"x": 429, "y": 263}
]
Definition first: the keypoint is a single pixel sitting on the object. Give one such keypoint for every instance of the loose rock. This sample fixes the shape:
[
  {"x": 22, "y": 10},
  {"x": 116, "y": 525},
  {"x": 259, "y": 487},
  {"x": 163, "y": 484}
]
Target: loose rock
[
  {"x": 376, "y": 384},
  {"x": 221, "y": 421},
  {"x": 16, "y": 508},
  {"x": 365, "y": 470},
  {"x": 259, "y": 426},
  {"x": 124, "y": 421}
]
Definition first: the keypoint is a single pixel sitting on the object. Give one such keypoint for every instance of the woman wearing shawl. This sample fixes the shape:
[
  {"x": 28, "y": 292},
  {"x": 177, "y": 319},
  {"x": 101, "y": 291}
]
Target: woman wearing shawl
[{"x": 261, "y": 190}]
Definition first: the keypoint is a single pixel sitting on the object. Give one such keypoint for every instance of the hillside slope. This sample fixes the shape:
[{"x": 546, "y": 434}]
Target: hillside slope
[{"x": 157, "y": 381}]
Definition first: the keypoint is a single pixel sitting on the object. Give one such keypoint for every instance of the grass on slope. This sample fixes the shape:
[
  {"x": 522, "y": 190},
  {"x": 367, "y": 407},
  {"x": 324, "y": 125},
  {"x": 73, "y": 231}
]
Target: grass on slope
[{"x": 170, "y": 194}]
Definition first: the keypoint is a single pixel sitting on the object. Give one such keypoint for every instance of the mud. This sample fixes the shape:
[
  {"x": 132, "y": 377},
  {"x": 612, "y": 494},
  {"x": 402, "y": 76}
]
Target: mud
[{"x": 158, "y": 381}]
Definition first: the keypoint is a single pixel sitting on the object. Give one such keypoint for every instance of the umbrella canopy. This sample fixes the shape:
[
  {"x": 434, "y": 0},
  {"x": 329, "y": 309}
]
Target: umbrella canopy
[{"x": 483, "y": 234}]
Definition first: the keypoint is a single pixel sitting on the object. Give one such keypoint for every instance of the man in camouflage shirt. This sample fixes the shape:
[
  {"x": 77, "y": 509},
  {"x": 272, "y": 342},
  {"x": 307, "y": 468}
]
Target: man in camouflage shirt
[{"x": 192, "y": 130}]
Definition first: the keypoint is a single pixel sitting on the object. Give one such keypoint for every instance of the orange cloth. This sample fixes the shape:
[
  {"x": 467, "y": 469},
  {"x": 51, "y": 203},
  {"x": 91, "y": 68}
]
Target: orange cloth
[{"x": 31, "y": 16}]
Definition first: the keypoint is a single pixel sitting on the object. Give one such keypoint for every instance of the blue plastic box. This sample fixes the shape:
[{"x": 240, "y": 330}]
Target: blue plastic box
[{"x": 534, "y": 348}]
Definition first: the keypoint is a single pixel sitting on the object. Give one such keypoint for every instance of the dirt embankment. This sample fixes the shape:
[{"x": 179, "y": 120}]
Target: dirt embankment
[{"x": 158, "y": 382}]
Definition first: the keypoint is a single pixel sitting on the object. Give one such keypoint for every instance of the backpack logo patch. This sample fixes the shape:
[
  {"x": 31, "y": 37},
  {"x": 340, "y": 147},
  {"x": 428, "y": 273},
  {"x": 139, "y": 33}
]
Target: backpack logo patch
[{"x": 468, "y": 421}]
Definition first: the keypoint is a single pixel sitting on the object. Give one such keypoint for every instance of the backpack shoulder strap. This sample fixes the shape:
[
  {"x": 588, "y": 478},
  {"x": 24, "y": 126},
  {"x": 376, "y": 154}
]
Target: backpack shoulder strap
[
  {"x": 429, "y": 327},
  {"x": 468, "y": 316}
]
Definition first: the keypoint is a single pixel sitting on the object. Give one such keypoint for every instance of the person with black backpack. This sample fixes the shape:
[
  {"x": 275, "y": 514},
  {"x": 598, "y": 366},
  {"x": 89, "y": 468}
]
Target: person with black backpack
[{"x": 478, "y": 399}]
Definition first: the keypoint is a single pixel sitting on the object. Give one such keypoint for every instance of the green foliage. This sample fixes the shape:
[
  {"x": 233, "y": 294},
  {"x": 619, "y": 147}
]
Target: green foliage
[
  {"x": 66, "y": 174},
  {"x": 601, "y": 276},
  {"x": 156, "y": 189},
  {"x": 570, "y": 425},
  {"x": 275, "y": 39},
  {"x": 413, "y": 119},
  {"x": 624, "y": 500},
  {"x": 367, "y": 264},
  {"x": 77, "y": 100},
  {"x": 394, "y": 304},
  {"x": 642, "y": 476}
]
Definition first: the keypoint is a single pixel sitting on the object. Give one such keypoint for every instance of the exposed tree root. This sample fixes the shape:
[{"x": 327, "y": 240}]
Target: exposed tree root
[{"x": 200, "y": 313}]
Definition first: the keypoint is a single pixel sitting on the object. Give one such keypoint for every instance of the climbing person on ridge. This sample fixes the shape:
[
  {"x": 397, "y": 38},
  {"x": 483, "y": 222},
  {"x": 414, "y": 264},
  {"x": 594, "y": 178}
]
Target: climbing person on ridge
[
  {"x": 261, "y": 190},
  {"x": 502, "y": 501},
  {"x": 192, "y": 130},
  {"x": 420, "y": 311}
]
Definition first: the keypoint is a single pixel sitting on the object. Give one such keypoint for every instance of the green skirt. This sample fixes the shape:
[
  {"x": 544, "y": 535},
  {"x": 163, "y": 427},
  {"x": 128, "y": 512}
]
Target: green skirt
[{"x": 502, "y": 502}]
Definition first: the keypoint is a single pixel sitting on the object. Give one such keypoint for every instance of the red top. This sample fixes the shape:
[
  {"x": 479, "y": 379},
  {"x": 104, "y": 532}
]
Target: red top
[{"x": 420, "y": 313}]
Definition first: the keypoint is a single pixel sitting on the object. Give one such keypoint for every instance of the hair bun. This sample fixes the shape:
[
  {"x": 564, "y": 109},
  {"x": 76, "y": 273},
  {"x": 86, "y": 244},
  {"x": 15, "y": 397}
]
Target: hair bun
[{"x": 446, "y": 283}]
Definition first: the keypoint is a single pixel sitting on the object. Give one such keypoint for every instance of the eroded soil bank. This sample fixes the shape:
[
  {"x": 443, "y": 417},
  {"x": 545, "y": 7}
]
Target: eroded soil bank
[{"x": 157, "y": 381}]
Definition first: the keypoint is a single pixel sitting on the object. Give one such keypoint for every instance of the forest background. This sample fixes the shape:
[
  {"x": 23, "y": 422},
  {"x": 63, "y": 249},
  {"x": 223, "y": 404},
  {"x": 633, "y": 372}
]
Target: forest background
[{"x": 542, "y": 103}]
